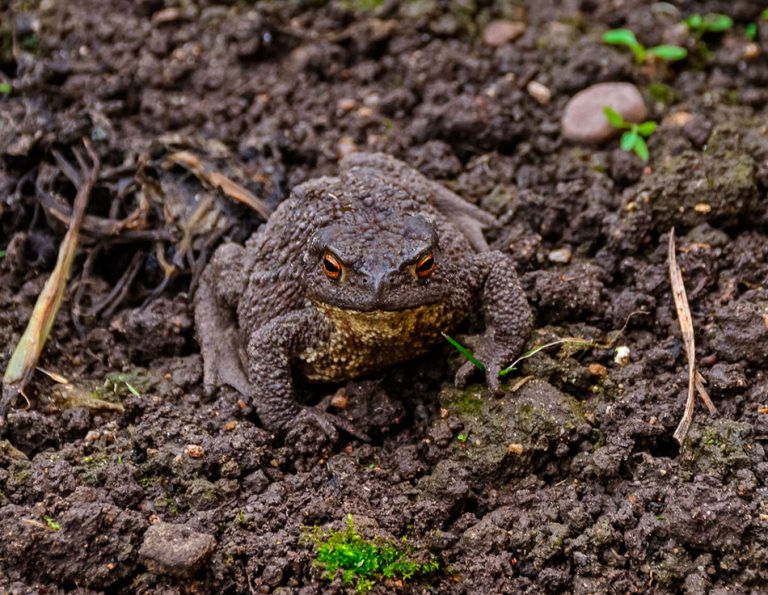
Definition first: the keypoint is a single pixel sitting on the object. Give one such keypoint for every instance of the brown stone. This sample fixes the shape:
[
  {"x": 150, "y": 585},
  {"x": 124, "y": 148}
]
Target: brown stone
[
  {"x": 584, "y": 120},
  {"x": 499, "y": 33}
]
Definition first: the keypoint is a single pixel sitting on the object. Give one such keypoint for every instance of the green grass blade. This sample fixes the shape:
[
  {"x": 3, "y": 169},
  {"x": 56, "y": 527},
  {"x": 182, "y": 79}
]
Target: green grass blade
[
  {"x": 465, "y": 352},
  {"x": 581, "y": 343}
]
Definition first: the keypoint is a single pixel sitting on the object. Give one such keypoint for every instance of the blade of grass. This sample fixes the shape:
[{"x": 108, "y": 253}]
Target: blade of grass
[
  {"x": 465, "y": 352},
  {"x": 24, "y": 359},
  {"x": 581, "y": 343}
]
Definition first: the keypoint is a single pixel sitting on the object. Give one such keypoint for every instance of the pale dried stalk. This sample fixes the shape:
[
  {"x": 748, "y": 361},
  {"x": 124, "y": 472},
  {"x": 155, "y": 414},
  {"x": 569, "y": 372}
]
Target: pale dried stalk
[
  {"x": 24, "y": 359},
  {"x": 695, "y": 380}
]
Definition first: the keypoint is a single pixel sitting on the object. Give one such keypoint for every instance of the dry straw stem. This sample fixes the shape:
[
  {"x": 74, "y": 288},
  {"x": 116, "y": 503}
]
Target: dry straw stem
[
  {"x": 232, "y": 189},
  {"x": 695, "y": 380},
  {"x": 30, "y": 346}
]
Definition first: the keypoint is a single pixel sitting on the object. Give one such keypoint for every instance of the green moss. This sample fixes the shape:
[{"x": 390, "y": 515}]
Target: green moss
[
  {"x": 466, "y": 402},
  {"x": 662, "y": 93},
  {"x": 363, "y": 5},
  {"x": 21, "y": 476},
  {"x": 364, "y": 562}
]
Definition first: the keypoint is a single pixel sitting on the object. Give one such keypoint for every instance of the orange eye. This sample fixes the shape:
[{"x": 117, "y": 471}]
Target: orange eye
[
  {"x": 425, "y": 265},
  {"x": 331, "y": 266}
]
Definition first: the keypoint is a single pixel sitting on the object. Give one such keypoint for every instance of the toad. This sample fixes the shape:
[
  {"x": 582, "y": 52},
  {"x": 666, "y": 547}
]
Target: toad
[{"x": 350, "y": 275}]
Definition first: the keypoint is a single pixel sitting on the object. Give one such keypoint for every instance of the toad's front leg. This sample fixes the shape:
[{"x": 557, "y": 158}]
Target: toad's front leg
[
  {"x": 508, "y": 319},
  {"x": 272, "y": 350}
]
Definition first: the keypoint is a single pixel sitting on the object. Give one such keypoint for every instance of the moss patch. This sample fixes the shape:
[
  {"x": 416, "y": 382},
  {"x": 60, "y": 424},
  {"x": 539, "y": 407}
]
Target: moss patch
[{"x": 364, "y": 562}]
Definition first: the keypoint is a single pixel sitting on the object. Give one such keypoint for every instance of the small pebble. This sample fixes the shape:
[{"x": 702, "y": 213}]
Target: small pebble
[
  {"x": 583, "y": 118},
  {"x": 598, "y": 370},
  {"x": 340, "y": 400},
  {"x": 176, "y": 550},
  {"x": 515, "y": 448},
  {"x": 621, "y": 356},
  {"x": 678, "y": 119},
  {"x": 345, "y": 146},
  {"x": 499, "y": 33},
  {"x": 751, "y": 51},
  {"x": 539, "y": 92},
  {"x": 346, "y": 104},
  {"x": 560, "y": 256},
  {"x": 195, "y": 451}
]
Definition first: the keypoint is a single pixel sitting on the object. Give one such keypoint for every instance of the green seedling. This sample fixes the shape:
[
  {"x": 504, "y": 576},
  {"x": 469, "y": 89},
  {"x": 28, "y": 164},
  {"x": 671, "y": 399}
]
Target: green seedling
[
  {"x": 708, "y": 23},
  {"x": 363, "y": 562},
  {"x": 750, "y": 31},
  {"x": 5, "y": 88},
  {"x": 625, "y": 37},
  {"x": 576, "y": 342},
  {"x": 463, "y": 437},
  {"x": 52, "y": 524},
  {"x": 633, "y": 138}
]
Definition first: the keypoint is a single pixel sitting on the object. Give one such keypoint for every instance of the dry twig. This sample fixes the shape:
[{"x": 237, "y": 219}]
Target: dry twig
[
  {"x": 695, "y": 380},
  {"x": 232, "y": 189}
]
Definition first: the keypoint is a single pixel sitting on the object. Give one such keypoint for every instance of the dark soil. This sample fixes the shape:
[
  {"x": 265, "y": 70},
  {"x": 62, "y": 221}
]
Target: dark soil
[{"x": 571, "y": 482}]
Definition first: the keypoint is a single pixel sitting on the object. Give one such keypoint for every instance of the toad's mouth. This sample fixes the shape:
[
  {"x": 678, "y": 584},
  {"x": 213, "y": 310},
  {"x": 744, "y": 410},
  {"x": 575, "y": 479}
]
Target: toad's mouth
[
  {"x": 377, "y": 306},
  {"x": 386, "y": 325}
]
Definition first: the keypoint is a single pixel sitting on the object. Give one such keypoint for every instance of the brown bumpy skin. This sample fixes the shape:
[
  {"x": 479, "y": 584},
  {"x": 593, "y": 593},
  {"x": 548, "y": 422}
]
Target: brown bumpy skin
[{"x": 268, "y": 310}]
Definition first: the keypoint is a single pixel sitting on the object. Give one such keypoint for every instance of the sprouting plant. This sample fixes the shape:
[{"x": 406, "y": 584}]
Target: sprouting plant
[
  {"x": 363, "y": 562},
  {"x": 5, "y": 88},
  {"x": 463, "y": 437},
  {"x": 52, "y": 524},
  {"x": 750, "y": 31},
  {"x": 625, "y": 37},
  {"x": 708, "y": 23},
  {"x": 633, "y": 138}
]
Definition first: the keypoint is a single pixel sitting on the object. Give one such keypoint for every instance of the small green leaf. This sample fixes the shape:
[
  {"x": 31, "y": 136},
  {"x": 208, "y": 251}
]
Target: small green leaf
[
  {"x": 629, "y": 139},
  {"x": 694, "y": 22},
  {"x": 465, "y": 352},
  {"x": 52, "y": 524},
  {"x": 646, "y": 128},
  {"x": 717, "y": 22},
  {"x": 2, "y": 253},
  {"x": 670, "y": 53},
  {"x": 641, "y": 149},
  {"x": 620, "y": 37},
  {"x": 750, "y": 31},
  {"x": 5, "y": 88},
  {"x": 764, "y": 15},
  {"x": 614, "y": 118}
]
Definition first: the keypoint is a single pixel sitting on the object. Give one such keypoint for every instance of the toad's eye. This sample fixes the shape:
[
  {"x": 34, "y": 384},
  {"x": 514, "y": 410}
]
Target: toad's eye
[
  {"x": 425, "y": 265},
  {"x": 331, "y": 266}
]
